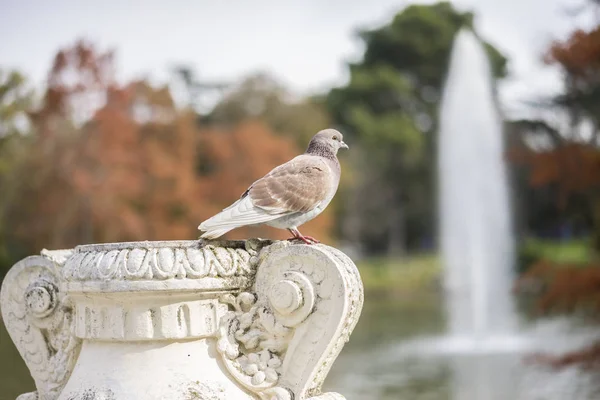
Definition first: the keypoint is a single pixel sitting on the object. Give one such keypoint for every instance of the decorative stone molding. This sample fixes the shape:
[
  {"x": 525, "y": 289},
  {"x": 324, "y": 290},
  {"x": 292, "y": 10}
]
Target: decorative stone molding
[
  {"x": 155, "y": 261},
  {"x": 39, "y": 320},
  {"x": 182, "y": 320},
  {"x": 280, "y": 341}
]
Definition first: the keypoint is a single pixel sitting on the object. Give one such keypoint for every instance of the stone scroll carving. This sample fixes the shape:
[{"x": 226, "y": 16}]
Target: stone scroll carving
[
  {"x": 280, "y": 339},
  {"x": 39, "y": 320}
]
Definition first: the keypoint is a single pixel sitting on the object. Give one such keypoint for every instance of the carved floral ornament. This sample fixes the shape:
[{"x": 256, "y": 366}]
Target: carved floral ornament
[{"x": 278, "y": 334}]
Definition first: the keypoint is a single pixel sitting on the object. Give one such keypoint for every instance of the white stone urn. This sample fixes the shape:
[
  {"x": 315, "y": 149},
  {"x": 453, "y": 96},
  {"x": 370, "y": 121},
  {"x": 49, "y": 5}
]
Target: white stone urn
[{"x": 182, "y": 320}]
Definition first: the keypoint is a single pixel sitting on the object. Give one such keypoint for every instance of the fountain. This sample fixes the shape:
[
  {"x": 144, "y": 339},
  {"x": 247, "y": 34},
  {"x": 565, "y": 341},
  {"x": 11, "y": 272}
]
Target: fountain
[
  {"x": 481, "y": 355},
  {"x": 475, "y": 229}
]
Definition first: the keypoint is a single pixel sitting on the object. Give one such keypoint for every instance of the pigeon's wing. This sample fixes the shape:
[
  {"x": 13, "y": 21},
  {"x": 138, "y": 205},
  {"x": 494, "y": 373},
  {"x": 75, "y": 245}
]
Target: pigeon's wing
[
  {"x": 240, "y": 213},
  {"x": 299, "y": 185}
]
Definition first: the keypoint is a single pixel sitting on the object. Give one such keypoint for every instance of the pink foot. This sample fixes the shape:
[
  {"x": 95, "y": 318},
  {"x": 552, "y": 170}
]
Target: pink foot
[
  {"x": 299, "y": 236},
  {"x": 305, "y": 239},
  {"x": 312, "y": 239}
]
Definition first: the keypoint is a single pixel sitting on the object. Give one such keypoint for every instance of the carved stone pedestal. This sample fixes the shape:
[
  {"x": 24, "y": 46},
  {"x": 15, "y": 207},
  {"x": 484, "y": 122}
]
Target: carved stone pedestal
[{"x": 182, "y": 320}]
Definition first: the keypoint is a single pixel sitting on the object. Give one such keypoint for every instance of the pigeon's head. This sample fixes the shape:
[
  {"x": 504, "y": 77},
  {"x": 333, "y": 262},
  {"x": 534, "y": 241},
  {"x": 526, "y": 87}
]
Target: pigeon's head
[{"x": 329, "y": 139}]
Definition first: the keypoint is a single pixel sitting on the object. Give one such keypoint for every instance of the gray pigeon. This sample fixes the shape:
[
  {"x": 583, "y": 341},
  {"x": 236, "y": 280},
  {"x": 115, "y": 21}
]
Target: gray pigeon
[{"x": 288, "y": 196}]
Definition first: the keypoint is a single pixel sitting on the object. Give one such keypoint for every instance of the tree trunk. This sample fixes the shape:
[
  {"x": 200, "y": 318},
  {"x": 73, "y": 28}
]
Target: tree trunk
[
  {"x": 396, "y": 230},
  {"x": 595, "y": 239}
]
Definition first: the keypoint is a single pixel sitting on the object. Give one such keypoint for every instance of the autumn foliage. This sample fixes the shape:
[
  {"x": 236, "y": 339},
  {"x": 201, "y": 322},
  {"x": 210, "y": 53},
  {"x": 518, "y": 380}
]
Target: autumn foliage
[
  {"x": 114, "y": 162},
  {"x": 563, "y": 288},
  {"x": 579, "y": 55},
  {"x": 570, "y": 289},
  {"x": 573, "y": 167},
  {"x": 569, "y": 163}
]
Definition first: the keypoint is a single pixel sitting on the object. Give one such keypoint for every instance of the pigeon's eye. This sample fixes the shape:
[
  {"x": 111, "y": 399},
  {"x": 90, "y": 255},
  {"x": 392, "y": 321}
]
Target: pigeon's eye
[{"x": 335, "y": 138}]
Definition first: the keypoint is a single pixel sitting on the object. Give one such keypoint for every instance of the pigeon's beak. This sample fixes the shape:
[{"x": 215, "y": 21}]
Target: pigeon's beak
[{"x": 343, "y": 145}]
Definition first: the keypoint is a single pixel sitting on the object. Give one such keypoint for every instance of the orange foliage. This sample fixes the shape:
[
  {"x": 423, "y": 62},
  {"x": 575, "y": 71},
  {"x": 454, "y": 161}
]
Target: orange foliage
[
  {"x": 564, "y": 288},
  {"x": 574, "y": 167},
  {"x": 136, "y": 168},
  {"x": 78, "y": 80},
  {"x": 579, "y": 55}
]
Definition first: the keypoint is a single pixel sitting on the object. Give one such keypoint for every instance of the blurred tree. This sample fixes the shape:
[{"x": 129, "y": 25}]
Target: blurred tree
[
  {"x": 260, "y": 96},
  {"x": 48, "y": 208},
  {"x": 170, "y": 195},
  {"x": 77, "y": 84},
  {"x": 108, "y": 162},
  {"x": 544, "y": 207},
  {"x": 195, "y": 92},
  {"x": 389, "y": 108},
  {"x": 564, "y": 289},
  {"x": 15, "y": 100},
  {"x": 564, "y": 153}
]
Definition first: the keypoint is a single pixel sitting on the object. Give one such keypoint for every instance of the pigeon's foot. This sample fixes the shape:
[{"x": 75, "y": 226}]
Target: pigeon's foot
[
  {"x": 311, "y": 239},
  {"x": 298, "y": 236},
  {"x": 302, "y": 238}
]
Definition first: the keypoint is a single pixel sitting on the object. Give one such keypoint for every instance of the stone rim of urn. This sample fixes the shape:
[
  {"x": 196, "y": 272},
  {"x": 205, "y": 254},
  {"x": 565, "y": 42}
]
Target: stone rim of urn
[{"x": 179, "y": 320}]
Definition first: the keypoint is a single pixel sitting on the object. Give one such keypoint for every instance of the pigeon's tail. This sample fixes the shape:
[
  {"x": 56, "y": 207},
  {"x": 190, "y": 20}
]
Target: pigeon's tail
[
  {"x": 215, "y": 233},
  {"x": 240, "y": 213}
]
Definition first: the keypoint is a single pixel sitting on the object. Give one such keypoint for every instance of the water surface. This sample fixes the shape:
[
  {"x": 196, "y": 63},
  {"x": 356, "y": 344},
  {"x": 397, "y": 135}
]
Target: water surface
[
  {"x": 383, "y": 360},
  {"x": 411, "y": 358}
]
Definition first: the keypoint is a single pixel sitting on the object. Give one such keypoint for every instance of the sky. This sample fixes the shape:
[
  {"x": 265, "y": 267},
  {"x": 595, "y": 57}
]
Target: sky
[{"x": 305, "y": 44}]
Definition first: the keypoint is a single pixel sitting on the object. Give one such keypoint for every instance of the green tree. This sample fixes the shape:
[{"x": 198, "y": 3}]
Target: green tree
[
  {"x": 262, "y": 97},
  {"x": 389, "y": 111},
  {"x": 15, "y": 101}
]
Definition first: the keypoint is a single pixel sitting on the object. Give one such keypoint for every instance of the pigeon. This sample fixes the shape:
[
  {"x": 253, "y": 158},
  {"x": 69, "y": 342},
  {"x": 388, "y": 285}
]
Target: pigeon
[{"x": 288, "y": 196}]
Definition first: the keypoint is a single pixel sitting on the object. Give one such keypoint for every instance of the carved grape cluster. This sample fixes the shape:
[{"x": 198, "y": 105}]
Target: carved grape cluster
[
  {"x": 253, "y": 340},
  {"x": 261, "y": 366}
]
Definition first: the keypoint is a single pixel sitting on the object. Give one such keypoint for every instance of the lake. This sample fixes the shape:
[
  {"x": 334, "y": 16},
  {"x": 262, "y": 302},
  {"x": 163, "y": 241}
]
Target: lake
[
  {"x": 389, "y": 357},
  {"x": 397, "y": 353}
]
